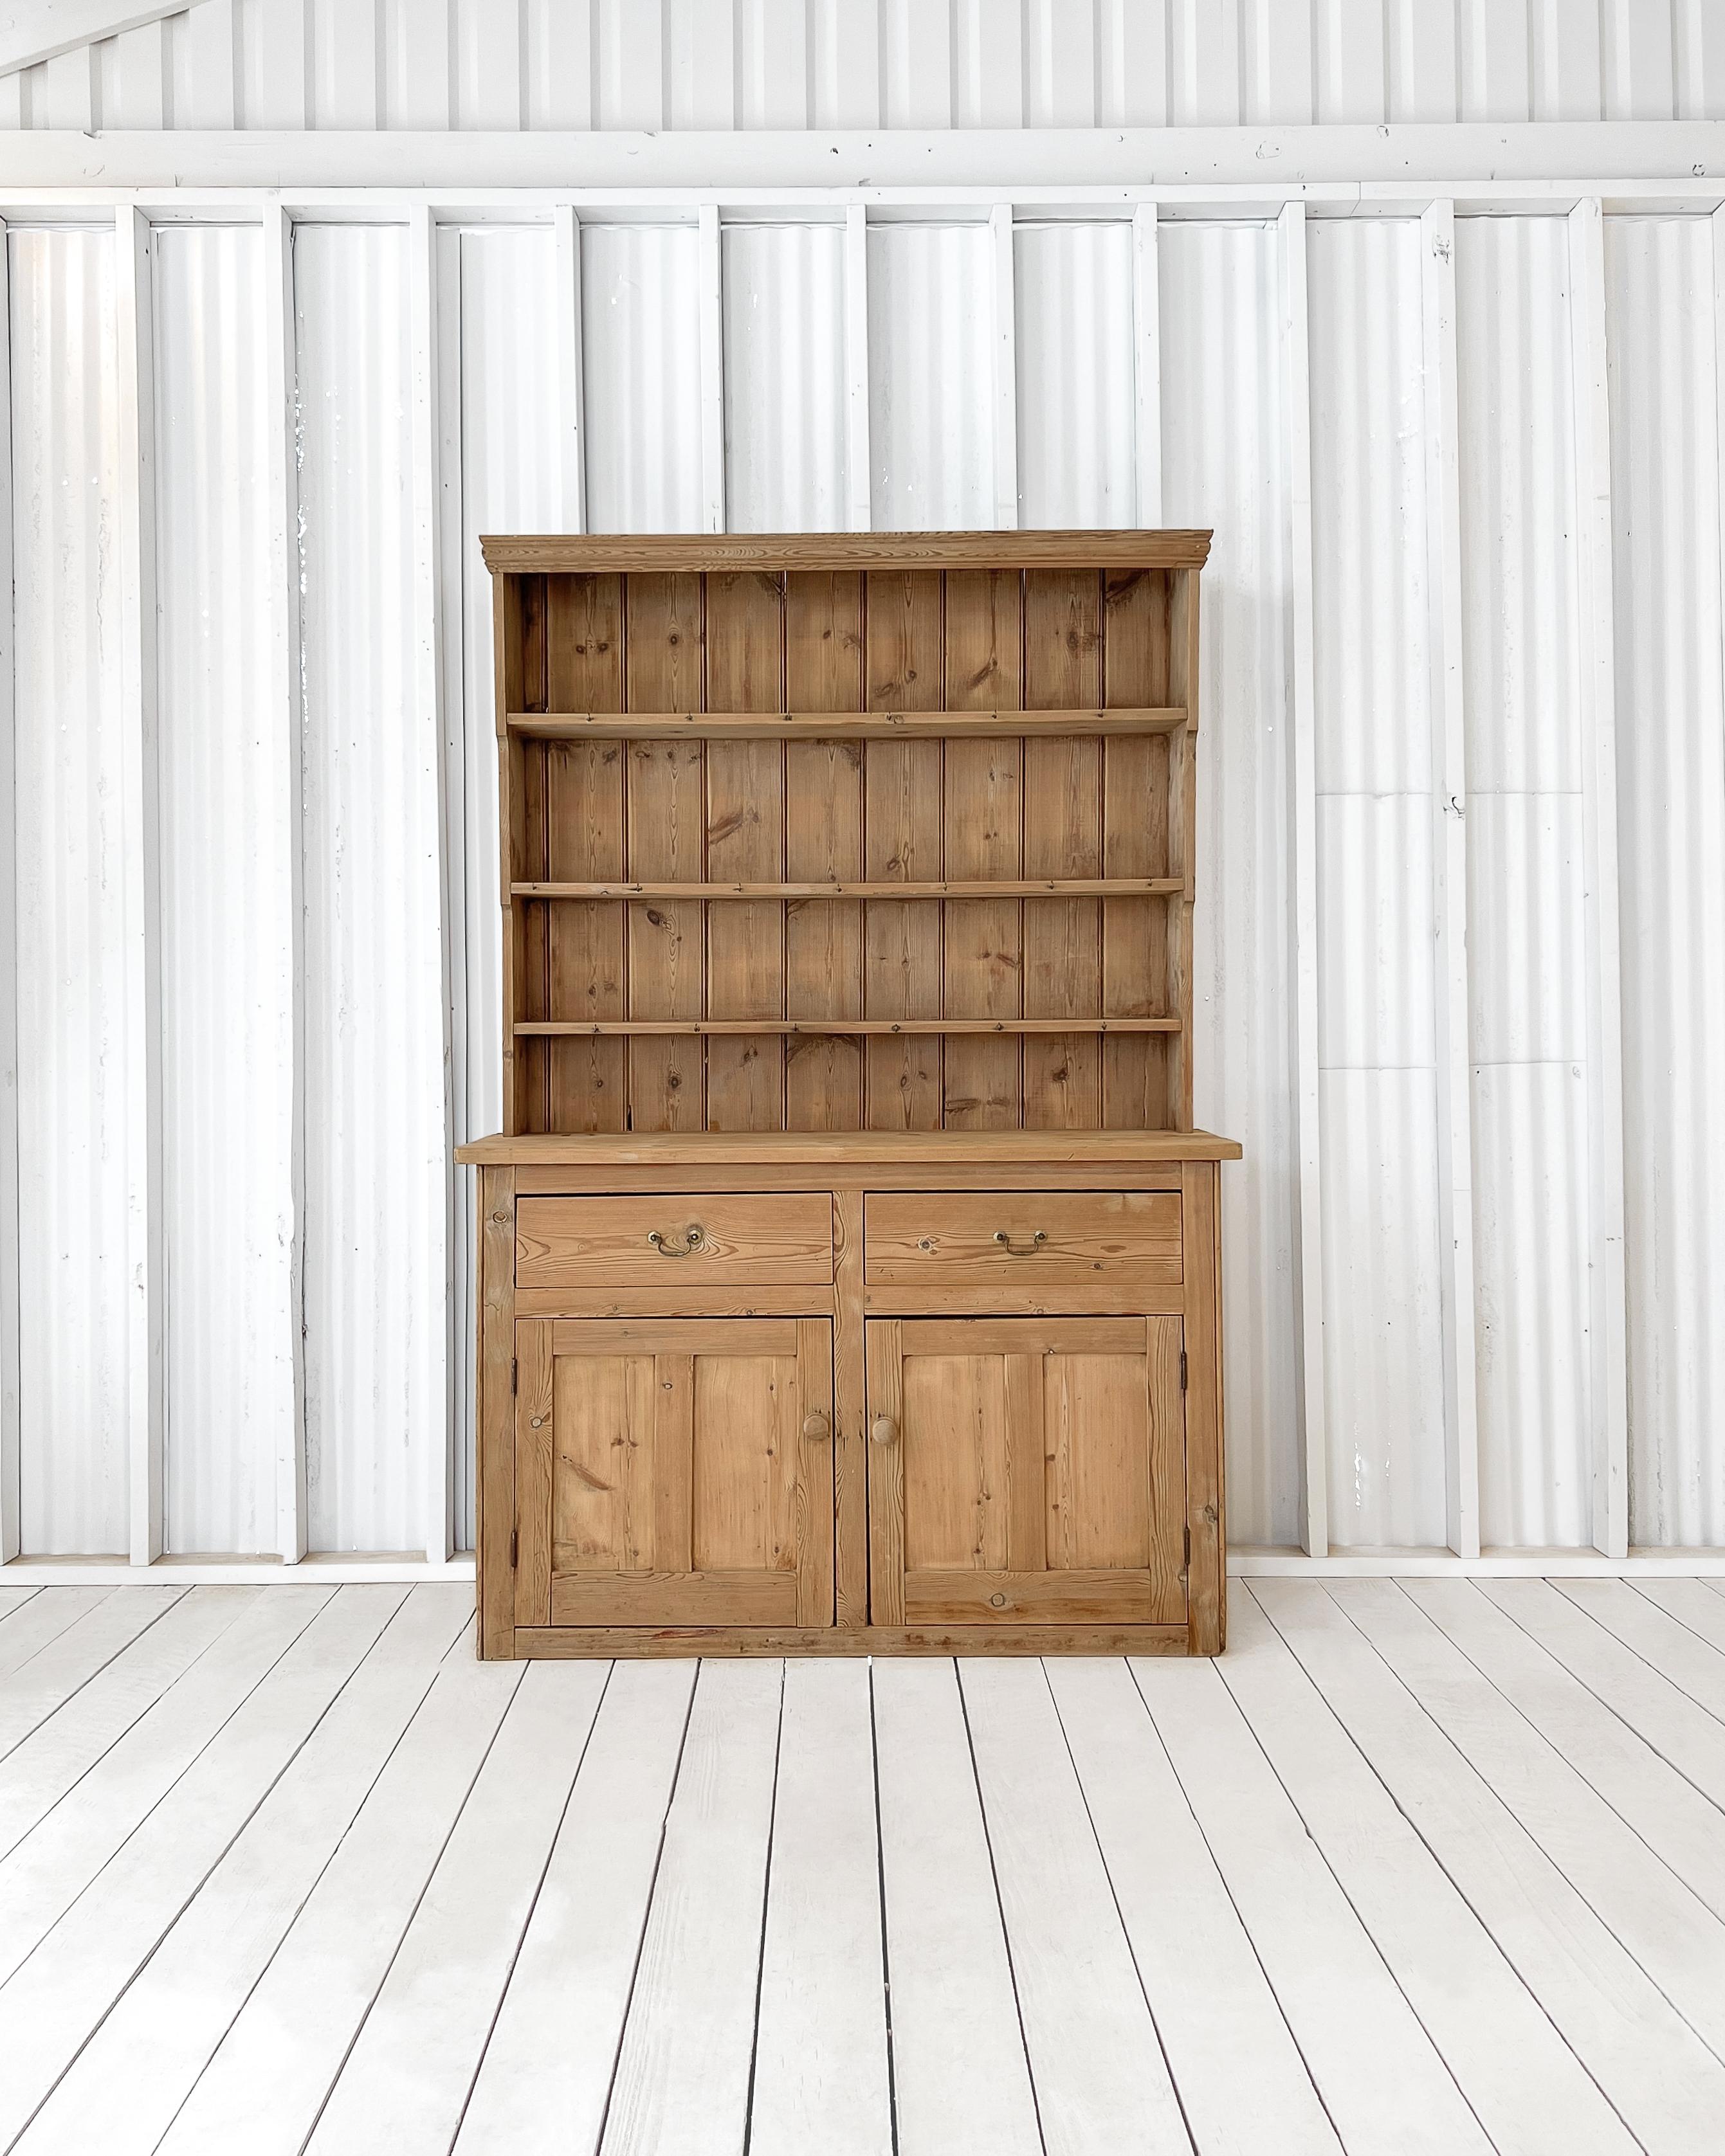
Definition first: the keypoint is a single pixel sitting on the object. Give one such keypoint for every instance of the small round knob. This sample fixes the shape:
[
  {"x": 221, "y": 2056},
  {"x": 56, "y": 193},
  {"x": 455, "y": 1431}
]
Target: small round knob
[
  {"x": 816, "y": 1425},
  {"x": 883, "y": 1429},
  {"x": 997, "y": 1601}
]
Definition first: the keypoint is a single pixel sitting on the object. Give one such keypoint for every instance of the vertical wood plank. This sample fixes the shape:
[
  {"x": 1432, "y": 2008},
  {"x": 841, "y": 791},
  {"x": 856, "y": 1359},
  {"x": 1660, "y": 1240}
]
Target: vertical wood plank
[
  {"x": 440, "y": 1440},
  {"x": 983, "y": 939},
  {"x": 1607, "y": 1314},
  {"x": 902, "y": 955},
  {"x": 673, "y": 1463},
  {"x": 815, "y": 1457},
  {"x": 823, "y": 842},
  {"x": 584, "y": 827},
  {"x": 1201, "y": 1238},
  {"x": 982, "y": 943},
  {"x": 666, "y": 786},
  {"x": 904, "y": 671},
  {"x": 1302, "y": 696},
  {"x": 1455, "y": 1210},
  {"x": 1183, "y": 688},
  {"x": 850, "y": 1430},
  {"x": 139, "y": 687},
  {"x": 281, "y": 436},
  {"x": 746, "y": 842},
  {"x": 1134, "y": 842},
  {"x": 859, "y": 507},
  {"x": 495, "y": 1491},
  {"x": 1062, "y": 837},
  {"x": 884, "y": 1341},
  {"x": 1027, "y": 1469},
  {"x": 535, "y": 1466},
  {"x": 1164, "y": 1339}
]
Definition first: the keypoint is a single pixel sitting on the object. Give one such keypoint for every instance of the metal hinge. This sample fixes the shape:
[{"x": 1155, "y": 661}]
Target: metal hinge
[
  {"x": 515, "y": 1546},
  {"x": 515, "y": 1372},
  {"x": 1182, "y": 1369}
]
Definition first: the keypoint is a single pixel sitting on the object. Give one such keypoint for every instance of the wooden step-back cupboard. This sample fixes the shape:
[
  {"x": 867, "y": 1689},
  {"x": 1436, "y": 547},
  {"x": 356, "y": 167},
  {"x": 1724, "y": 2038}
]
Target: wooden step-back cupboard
[{"x": 849, "y": 1263}]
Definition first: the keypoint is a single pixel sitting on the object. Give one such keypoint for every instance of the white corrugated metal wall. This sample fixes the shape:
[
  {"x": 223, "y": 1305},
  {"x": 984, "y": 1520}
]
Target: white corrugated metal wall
[
  {"x": 256, "y": 962},
  {"x": 1463, "y": 793}
]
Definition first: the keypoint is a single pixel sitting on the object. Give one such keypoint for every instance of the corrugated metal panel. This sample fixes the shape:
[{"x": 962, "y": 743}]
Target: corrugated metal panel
[
  {"x": 1072, "y": 287},
  {"x": 654, "y": 64},
  {"x": 931, "y": 377},
  {"x": 1224, "y": 465},
  {"x": 508, "y": 405},
  {"x": 1376, "y": 985},
  {"x": 376, "y": 1309},
  {"x": 77, "y": 1064},
  {"x": 225, "y": 886},
  {"x": 641, "y": 367},
  {"x": 1671, "y": 736},
  {"x": 786, "y": 465},
  {"x": 1522, "y": 682}
]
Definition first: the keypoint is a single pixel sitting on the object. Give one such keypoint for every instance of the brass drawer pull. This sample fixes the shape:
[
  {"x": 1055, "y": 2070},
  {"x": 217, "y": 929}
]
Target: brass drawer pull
[
  {"x": 816, "y": 1425},
  {"x": 1020, "y": 1250},
  {"x": 692, "y": 1242},
  {"x": 883, "y": 1429}
]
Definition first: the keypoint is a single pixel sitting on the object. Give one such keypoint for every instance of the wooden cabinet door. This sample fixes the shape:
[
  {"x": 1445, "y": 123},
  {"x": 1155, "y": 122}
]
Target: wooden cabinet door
[
  {"x": 672, "y": 1472},
  {"x": 1027, "y": 1471}
]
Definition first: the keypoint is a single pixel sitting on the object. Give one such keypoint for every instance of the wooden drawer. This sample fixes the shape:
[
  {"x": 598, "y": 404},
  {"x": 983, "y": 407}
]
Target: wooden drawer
[
  {"x": 703, "y": 1237},
  {"x": 1030, "y": 1238}
]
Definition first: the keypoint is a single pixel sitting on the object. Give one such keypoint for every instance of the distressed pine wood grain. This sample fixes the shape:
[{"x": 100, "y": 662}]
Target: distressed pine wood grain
[
  {"x": 1063, "y": 836},
  {"x": 745, "y": 841},
  {"x": 536, "y": 1477},
  {"x": 495, "y": 1437},
  {"x": 901, "y": 821},
  {"x": 983, "y": 939},
  {"x": 742, "y": 1235},
  {"x": 584, "y": 663}
]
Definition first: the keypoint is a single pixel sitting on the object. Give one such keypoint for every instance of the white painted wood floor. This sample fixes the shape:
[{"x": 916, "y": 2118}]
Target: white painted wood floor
[{"x": 1436, "y": 1866}]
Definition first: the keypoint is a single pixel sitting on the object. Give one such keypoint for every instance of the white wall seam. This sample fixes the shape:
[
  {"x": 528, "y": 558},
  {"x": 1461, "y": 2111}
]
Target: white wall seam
[
  {"x": 11, "y": 1251},
  {"x": 140, "y": 789},
  {"x": 1310, "y": 1418},
  {"x": 1454, "y": 1128},
  {"x": 1606, "y": 1301}
]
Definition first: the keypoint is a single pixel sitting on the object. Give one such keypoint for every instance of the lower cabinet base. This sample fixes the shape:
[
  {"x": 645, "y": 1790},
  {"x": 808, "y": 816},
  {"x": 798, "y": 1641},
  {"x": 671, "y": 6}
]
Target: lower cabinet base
[{"x": 630, "y": 1643}]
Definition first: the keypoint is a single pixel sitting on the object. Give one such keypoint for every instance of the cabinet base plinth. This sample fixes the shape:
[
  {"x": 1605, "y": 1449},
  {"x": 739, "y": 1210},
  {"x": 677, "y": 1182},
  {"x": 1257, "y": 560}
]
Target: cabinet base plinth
[{"x": 647, "y": 1642}]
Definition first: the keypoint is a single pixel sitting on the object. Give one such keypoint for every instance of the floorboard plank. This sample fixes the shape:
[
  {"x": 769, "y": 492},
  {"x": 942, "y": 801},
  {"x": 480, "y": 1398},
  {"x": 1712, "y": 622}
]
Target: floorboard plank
[
  {"x": 67, "y": 1983},
  {"x": 1661, "y": 2080},
  {"x": 405, "y": 2083},
  {"x": 1692, "y": 1601},
  {"x": 539, "y": 2093},
  {"x": 961, "y": 2078},
  {"x": 1662, "y": 1642},
  {"x": 263, "y": 2091},
  {"x": 56, "y": 1671},
  {"x": 44, "y": 1874},
  {"x": 13, "y": 1597},
  {"x": 1653, "y": 1755},
  {"x": 820, "y": 2079},
  {"x": 1095, "y": 2061},
  {"x": 682, "y": 2083},
  {"x": 43, "y": 1618},
  {"x": 1525, "y": 2085},
  {"x": 1242, "y": 2083},
  {"x": 56, "y": 1756},
  {"x": 1674, "y": 1936},
  {"x": 1381, "y": 2081},
  {"x": 130, "y": 2079}
]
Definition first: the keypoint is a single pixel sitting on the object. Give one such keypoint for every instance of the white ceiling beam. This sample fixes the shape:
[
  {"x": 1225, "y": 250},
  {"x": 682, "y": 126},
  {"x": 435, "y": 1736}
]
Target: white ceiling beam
[{"x": 42, "y": 29}]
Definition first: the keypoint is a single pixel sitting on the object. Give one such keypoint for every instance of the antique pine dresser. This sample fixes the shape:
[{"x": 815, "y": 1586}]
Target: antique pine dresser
[{"x": 849, "y": 1266}]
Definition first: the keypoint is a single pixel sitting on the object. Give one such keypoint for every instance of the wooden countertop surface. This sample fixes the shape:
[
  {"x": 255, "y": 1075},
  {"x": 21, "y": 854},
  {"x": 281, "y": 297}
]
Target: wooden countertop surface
[{"x": 784, "y": 1148}]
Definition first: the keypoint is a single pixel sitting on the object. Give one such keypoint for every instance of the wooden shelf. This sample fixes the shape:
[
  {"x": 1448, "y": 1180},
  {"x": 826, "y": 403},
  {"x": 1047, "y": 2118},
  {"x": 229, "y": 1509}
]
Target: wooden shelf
[
  {"x": 1043, "y": 887},
  {"x": 774, "y": 552},
  {"x": 561, "y": 1028},
  {"x": 845, "y": 725},
  {"x": 823, "y": 1149}
]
